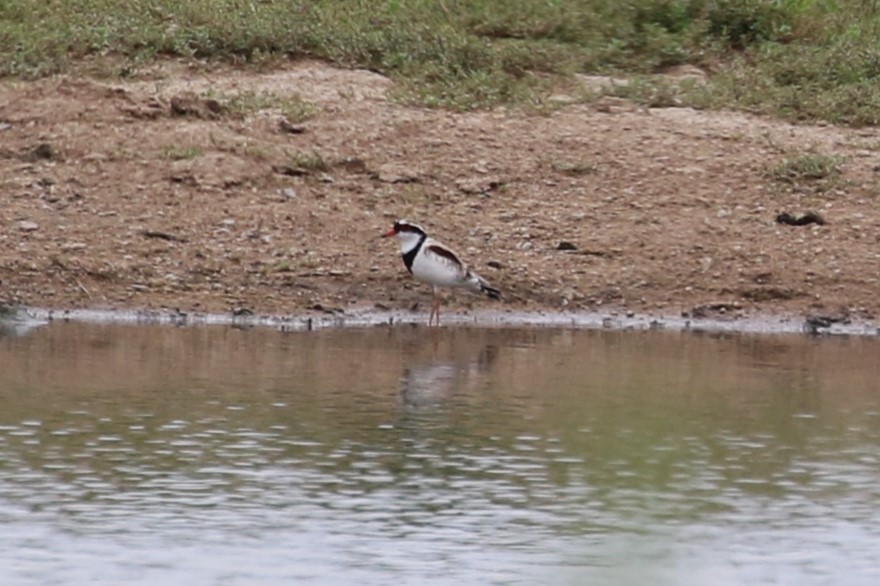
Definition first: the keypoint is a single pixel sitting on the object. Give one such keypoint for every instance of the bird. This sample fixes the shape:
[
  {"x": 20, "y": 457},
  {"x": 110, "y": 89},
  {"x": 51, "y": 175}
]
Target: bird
[{"x": 436, "y": 264}]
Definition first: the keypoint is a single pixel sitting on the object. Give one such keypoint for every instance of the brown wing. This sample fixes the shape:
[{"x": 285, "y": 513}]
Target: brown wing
[{"x": 447, "y": 254}]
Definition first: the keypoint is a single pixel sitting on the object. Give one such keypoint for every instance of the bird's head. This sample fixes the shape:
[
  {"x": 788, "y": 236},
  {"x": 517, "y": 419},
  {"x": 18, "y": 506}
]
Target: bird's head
[{"x": 404, "y": 229}]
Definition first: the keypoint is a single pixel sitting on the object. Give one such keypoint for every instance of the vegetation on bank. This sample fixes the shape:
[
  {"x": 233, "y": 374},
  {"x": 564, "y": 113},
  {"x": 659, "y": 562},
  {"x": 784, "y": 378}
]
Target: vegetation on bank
[{"x": 800, "y": 59}]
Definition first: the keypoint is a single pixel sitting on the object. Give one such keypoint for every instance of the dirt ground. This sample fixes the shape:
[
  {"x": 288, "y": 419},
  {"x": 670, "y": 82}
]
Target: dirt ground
[{"x": 154, "y": 193}]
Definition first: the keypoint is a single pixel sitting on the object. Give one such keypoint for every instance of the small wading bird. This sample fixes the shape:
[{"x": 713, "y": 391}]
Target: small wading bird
[{"x": 435, "y": 264}]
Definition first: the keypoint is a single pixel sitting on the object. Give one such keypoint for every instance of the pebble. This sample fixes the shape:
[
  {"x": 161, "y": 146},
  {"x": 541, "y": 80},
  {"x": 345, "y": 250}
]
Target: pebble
[
  {"x": 28, "y": 226},
  {"x": 288, "y": 126}
]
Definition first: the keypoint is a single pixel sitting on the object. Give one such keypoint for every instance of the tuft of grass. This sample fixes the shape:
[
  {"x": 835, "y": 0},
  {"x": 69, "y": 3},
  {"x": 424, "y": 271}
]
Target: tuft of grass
[
  {"x": 281, "y": 267},
  {"x": 296, "y": 109},
  {"x": 651, "y": 92},
  {"x": 309, "y": 161},
  {"x": 413, "y": 195},
  {"x": 808, "y": 167},
  {"x": 575, "y": 168},
  {"x": 475, "y": 91},
  {"x": 292, "y": 106},
  {"x": 181, "y": 153}
]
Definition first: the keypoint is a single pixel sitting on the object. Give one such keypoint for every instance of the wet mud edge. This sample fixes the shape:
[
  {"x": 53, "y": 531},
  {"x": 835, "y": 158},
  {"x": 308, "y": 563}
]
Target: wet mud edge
[{"x": 769, "y": 324}]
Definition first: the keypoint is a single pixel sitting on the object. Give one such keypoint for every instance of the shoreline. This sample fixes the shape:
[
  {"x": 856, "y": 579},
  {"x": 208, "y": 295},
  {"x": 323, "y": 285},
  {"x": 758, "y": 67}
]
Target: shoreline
[{"x": 29, "y": 317}]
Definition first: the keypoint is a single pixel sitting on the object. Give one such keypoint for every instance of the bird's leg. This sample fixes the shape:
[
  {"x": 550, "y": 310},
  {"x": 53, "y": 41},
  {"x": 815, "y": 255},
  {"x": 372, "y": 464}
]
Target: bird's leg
[{"x": 435, "y": 307}]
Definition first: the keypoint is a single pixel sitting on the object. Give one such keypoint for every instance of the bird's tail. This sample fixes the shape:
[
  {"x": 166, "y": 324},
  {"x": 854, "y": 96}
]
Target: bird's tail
[
  {"x": 479, "y": 285},
  {"x": 492, "y": 292}
]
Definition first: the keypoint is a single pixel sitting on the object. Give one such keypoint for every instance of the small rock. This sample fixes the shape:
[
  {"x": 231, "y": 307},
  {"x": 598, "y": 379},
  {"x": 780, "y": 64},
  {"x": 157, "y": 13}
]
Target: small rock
[
  {"x": 394, "y": 173},
  {"x": 185, "y": 178},
  {"x": 5, "y": 126},
  {"x": 803, "y": 220},
  {"x": 71, "y": 246},
  {"x": 479, "y": 185},
  {"x": 161, "y": 235},
  {"x": 289, "y": 170},
  {"x": 191, "y": 105},
  {"x": 287, "y": 126},
  {"x": 148, "y": 109},
  {"x": 42, "y": 151},
  {"x": 352, "y": 165},
  {"x": 569, "y": 294},
  {"x": 565, "y": 245},
  {"x": 326, "y": 308},
  {"x": 28, "y": 226},
  {"x": 288, "y": 193},
  {"x": 709, "y": 309},
  {"x": 495, "y": 264}
]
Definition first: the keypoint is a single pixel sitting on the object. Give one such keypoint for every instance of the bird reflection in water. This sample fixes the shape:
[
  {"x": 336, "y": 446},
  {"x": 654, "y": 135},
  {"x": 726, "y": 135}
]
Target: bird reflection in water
[{"x": 431, "y": 383}]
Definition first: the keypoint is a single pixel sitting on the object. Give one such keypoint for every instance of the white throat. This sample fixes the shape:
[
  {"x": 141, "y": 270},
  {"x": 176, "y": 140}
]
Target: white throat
[{"x": 408, "y": 241}]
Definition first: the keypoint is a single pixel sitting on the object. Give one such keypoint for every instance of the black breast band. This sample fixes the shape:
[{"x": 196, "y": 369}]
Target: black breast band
[{"x": 410, "y": 256}]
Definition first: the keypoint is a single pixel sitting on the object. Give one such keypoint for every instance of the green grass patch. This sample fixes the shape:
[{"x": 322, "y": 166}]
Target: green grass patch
[
  {"x": 182, "y": 153},
  {"x": 800, "y": 59},
  {"x": 292, "y": 106},
  {"x": 309, "y": 161},
  {"x": 810, "y": 169},
  {"x": 658, "y": 92},
  {"x": 805, "y": 167}
]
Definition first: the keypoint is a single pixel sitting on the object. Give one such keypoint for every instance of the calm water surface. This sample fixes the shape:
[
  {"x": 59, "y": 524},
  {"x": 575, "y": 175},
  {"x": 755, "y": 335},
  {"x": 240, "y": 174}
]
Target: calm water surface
[{"x": 218, "y": 456}]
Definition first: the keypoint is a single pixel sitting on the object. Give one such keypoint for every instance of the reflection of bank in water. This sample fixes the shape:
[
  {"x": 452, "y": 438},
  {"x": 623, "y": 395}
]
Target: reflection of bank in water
[{"x": 16, "y": 322}]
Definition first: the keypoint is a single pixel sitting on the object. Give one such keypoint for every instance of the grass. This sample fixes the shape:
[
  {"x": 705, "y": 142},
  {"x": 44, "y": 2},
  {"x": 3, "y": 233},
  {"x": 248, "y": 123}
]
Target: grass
[
  {"x": 658, "y": 92},
  {"x": 574, "y": 168},
  {"x": 798, "y": 59},
  {"x": 292, "y": 106},
  {"x": 817, "y": 171},
  {"x": 309, "y": 161},
  {"x": 805, "y": 167},
  {"x": 182, "y": 153}
]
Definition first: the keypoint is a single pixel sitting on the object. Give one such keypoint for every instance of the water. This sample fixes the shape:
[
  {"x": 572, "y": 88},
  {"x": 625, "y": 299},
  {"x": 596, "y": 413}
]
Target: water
[{"x": 219, "y": 456}]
